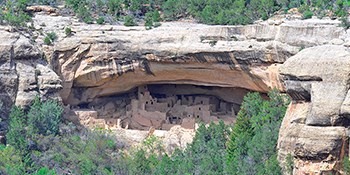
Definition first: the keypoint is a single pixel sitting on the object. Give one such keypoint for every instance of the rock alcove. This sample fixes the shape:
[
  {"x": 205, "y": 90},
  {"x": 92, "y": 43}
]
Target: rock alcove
[{"x": 162, "y": 106}]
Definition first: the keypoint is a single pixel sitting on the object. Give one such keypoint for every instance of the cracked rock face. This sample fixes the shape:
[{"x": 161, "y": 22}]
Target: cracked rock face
[
  {"x": 23, "y": 74},
  {"x": 315, "y": 126}
]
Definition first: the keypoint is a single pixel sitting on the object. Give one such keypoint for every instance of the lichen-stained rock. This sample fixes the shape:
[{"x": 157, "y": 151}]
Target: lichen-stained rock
[{"x": 314, "y": 128}]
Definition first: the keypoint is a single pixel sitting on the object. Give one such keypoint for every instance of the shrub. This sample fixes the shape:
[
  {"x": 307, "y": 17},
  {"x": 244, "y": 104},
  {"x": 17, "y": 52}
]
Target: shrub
[
  {"x": 16, "y": 134},
  {"x": 129, "y": 21},
  {"x": 346, "y": 165},
  {"x": 11, "y": 161},
  {"x": 308, "y": 14},
  {"x": 47, "y": 40},
  {"x": 84, "y": 14},
  {"x": 44, "y": 171},
  {"x": 149, "y": 20},
  {"x": 86, "y": 152},
  {"x": 68, "y": 31},
  {"x": 44, "y": 118},
  {"x": 114, "y": 7},
  {"x": 100, "y": 20},
  {"x": 50, "y": 38}
]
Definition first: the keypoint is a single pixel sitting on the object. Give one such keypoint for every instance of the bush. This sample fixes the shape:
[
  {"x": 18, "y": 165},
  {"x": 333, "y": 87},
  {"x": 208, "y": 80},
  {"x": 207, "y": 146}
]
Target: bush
[
  {"x": 212, "y": 43},
  {"x": 308, "y": 14},
  {"x": 47, "y": 40},
  {"x": 68, "y": 31},
  {"x": 44, "y": 171},
  {"x": 149, "y": 20},
  {"x": 203, "y": 156},
  {"x": 11, "y": 161},
  {"x": 50, "y": 38},
  {"x": 44, "y": 118},
  {"x": 289, "y": 164},
  {"x": 346, "y": 165},
  {"x": 100, "y": 20},
  {"x": 84, "y": 14},
  {"x": 16, "y": 134},
  {"x": 87, "y": 152},
  {"x": 129, "y": 21}
]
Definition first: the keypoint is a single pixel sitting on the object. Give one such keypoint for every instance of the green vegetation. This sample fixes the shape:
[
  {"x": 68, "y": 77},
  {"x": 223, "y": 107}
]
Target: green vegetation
[
  {"x": 345, "y": 23},
  {"x": 47, "y": 40},
  {"x": 25, "y": 128},
  {"x": 249, "y": 149},
  {"x": 36, "y": 145},
  {"x": 346, "y": 165},
  {"x": 152, "y": 19},
  {"x": 129, "y": 21},
  {"x": 289, "y": 164},
  {"x": 100, "y": 20},
  {"x": 50, "y": 38},
  {"x": 68, "y": 31},
  {"x": 252, "y": 145},
  {"x": 308, "y": 14},
  {"x": 204, "y": 11}
]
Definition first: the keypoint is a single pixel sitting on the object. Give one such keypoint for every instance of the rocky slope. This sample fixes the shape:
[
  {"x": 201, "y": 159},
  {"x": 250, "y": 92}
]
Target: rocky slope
[{"x": 96, "y": 64}]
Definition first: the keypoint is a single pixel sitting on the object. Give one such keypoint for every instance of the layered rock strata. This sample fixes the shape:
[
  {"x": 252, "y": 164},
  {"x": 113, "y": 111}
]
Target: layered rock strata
[{"x": 314, "y": 130}]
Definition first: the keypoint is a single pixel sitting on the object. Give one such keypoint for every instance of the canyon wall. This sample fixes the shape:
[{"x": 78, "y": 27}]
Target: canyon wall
[
  {"x": 315, "y": 128},
  {"x": 96, "y": 70}
]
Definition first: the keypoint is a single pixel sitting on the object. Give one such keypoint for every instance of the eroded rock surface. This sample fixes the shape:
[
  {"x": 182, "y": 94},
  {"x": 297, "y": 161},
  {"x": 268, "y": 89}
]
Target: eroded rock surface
[
  {"x": 23, "y": 74},
  {"x": 314, "y": 129}
]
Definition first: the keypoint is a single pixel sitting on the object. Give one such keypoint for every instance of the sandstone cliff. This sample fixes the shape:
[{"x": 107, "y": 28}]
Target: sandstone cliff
[
  {"x": 97, "y": 63},
  {"x": 314, "y": 129}
]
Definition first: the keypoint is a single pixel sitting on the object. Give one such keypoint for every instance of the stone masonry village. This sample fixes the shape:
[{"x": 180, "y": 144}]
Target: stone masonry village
[{"x": 150, "y": 107}]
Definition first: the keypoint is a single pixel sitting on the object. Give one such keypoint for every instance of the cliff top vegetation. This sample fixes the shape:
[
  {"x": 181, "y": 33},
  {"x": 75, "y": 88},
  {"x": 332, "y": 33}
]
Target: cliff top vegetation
[{"x": 151, "y": 12}]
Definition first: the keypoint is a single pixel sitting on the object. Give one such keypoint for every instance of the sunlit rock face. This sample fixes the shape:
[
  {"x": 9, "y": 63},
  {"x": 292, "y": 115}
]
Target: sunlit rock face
[
  {"x": 23, "y": 74},
  {"x": 314, "y": 129}
]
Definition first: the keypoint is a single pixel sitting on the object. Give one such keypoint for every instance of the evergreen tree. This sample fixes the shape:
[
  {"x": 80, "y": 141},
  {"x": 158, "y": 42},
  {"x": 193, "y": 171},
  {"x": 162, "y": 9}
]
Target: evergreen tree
[{"x": 252, "y": 145}]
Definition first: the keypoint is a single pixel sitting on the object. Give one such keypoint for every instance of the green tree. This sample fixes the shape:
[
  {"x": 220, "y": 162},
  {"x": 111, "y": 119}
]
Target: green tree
[
  {"x": 16, "y": 134},
  {"x": 252, "y": 144},
  {"x": 44, "y": 117}
]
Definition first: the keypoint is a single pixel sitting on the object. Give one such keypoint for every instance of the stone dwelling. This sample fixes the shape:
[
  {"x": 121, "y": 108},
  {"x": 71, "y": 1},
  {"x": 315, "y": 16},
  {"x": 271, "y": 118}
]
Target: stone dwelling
[
  {"x": 162, "y": 111},
  {"x": 158, "y": 106}
]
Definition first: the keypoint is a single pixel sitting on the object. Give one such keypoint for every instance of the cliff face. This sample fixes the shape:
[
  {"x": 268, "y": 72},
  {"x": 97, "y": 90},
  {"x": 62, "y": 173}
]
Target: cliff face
[
  {"x": 96, "y": 65},
  {"x": 314, "y": 129},
  {"x": 103, "y": 60},
  {"x": 23, "y": 74}
]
